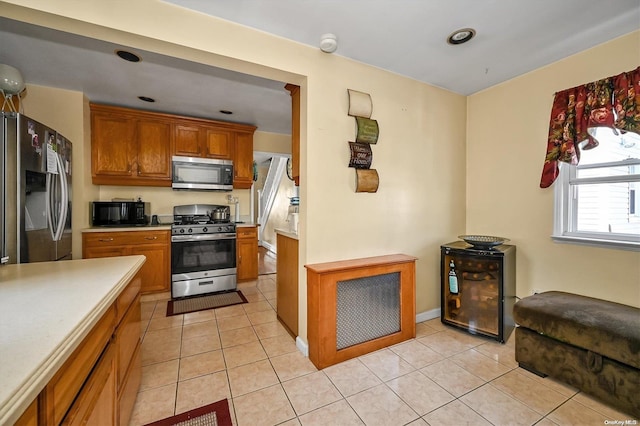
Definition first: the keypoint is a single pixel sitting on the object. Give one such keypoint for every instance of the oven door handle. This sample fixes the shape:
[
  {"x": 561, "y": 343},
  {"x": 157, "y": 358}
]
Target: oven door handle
[{"x": 204, "y": 237}]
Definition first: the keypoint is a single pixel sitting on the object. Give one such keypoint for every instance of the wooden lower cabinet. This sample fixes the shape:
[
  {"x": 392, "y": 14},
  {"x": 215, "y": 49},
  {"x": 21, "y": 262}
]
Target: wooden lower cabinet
[
  {"x": 287, "y": 282},
  {"x": 247, "y": 253},
  {"x": 154, "y": 245},
  {"x": 99, "y": 382},
  {"x": 30, "y": 416},
  {"x": 96, "y": 402}
]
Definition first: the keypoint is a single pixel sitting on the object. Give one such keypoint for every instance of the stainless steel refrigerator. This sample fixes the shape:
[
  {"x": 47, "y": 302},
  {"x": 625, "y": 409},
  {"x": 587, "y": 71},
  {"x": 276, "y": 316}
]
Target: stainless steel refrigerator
[{"x": 35, "y": 192}]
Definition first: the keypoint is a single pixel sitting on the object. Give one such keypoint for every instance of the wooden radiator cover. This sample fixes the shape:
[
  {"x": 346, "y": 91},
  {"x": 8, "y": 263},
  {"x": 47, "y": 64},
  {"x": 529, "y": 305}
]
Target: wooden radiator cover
[{"x": 322, "y": 291}]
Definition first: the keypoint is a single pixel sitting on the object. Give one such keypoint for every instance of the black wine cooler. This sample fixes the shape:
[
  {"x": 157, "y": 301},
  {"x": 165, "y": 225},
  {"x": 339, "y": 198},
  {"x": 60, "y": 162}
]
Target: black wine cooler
[{"x": 478, "y": 288}]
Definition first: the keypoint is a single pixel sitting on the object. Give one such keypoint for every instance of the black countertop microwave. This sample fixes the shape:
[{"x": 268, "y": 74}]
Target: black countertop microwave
[{"x": 120, "y": 213}]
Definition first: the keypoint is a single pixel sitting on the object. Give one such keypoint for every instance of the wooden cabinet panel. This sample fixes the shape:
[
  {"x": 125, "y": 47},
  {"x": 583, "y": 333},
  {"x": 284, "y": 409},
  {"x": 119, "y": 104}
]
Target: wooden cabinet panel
[
  {"x": 187, "y": 140},
  {"x": 243, "y": 161},
  {"x": 96, "y": 403},
  {"x": 155, "y": 245},
  {"x": 112, "y": 145},
  {"x": 154, "y": 149},
  {"x": 127, "y": 339},
  {"x": 217, "y": 144},
  {"x": 129, "y": 391},
  {"x": 247, "y": 253},
  {"x": 67, "y": 382},
  {"x": 155, "y": 272},
  {"x": 287, "y": 282}
]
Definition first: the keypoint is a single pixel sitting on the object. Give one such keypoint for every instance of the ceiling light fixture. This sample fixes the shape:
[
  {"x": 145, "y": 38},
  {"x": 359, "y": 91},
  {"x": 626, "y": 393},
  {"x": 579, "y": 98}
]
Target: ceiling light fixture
[
  {"x": 146, "y": 99},
  {"x": 328, "y": 43},
  {"x": 461, "y": 36},
  {"x": 128, "y": 56}
]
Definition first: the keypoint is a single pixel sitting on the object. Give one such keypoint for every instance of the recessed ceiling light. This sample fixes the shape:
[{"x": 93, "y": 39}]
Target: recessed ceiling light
[
  {"x": 146, "y": 99},
  {"x": 128, "y": 56},
  {"x": 461, "y": 36},
  {"x": 226, "y": 111}
]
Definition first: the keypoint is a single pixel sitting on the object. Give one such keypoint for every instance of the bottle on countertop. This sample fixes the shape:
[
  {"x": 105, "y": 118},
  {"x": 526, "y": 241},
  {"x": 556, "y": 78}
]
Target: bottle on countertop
[{"x": 453, "y": 279}]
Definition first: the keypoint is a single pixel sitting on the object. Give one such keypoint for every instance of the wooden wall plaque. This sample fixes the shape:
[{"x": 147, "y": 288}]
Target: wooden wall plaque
[{"x": 367, "y": 180}]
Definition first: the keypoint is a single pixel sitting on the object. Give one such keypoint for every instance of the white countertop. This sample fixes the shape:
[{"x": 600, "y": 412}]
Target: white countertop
[
  {"x": 46, "y": 310},
  {"x": 286, "y": 233}
]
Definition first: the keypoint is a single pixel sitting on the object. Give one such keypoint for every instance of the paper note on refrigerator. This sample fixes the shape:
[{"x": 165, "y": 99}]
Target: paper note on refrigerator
[{"x": 52, "y": 161}]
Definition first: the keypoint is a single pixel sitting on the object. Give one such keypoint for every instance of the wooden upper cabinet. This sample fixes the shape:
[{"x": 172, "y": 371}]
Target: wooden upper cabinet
[
  {"x": 134, "y": 147},
  {"x": 191, "y": 140},
  {"x": 112, "y": 146},
  {"x": 243, "y": 161},
  {"x": 129, "y": 147},
  {"x": 218, "y": 144},
  {"x": 154, "y": 149},
  {"x": 186, "y": 141}
]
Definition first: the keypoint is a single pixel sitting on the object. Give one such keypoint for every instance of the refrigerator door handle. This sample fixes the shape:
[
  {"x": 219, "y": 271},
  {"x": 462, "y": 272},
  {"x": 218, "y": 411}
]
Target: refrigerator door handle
[
  {"x": 48, "y": 206},
  {"x": 64, "y": 202}
]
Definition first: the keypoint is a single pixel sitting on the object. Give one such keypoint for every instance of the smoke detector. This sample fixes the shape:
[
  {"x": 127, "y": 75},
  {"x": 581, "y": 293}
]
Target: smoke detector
[{"x": 328, "y": 43}]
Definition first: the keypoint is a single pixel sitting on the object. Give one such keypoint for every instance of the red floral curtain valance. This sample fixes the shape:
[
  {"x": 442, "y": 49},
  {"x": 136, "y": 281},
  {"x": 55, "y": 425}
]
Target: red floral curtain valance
[{"x": 611, "y": 102}]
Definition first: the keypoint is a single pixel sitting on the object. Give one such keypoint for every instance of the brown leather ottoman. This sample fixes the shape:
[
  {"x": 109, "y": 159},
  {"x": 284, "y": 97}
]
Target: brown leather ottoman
[{"x": 591, "y": 344}]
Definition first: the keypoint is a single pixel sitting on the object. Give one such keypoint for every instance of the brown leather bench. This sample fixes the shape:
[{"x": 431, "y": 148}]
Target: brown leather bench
[{"x": 590, "y": 344}]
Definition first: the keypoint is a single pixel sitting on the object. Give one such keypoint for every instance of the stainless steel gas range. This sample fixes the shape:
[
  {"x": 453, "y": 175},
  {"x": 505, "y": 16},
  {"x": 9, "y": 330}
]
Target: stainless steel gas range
[{"x": 203, "y": 250}]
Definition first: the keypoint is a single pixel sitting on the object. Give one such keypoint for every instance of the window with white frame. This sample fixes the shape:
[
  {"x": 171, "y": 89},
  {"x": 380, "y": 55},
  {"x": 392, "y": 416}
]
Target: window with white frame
[{"x": 598, "y": 201}]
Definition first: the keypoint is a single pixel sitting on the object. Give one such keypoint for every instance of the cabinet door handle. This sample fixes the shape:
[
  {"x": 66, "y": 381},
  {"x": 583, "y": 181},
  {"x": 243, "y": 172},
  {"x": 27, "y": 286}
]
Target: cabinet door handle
[
  {"x": 150, "y": 238},
  {"x": 105, "y": 240}
]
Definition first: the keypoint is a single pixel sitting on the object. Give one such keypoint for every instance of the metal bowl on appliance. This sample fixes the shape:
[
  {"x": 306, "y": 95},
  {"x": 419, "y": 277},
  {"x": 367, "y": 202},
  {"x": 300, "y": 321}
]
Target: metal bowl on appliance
[{"x": 220, "y": 214}]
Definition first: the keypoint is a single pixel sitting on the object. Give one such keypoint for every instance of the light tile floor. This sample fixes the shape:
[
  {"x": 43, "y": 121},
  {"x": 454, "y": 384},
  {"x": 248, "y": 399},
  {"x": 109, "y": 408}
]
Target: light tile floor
[{"x": 242, "y": 353}]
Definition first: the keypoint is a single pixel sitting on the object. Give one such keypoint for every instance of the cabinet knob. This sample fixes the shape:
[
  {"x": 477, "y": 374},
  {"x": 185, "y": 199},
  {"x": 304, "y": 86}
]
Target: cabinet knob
[
  {"x": 150, "y": 238},
  {"x": 105, "y": 240}
]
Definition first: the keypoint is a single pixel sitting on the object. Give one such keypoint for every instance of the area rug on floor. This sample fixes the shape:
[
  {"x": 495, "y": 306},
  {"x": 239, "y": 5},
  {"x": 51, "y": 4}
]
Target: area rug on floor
[
  {"x": 201, "y": 303},
  {"x": 216, "y": 414}
]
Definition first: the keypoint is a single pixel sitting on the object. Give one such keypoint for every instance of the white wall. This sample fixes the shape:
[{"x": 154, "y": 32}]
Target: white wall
[{"x": 506, "y": 143}]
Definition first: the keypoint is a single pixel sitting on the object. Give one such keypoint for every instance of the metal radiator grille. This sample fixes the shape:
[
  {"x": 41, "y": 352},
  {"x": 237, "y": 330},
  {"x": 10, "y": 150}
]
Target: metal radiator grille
[{"x": 367, "y": 308}]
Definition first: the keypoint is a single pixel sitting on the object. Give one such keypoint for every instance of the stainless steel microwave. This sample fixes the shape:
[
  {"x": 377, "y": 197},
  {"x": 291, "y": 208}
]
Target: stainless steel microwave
[
  {"x": 202, "y": 174},
  {"x": 120, "y": 213}
]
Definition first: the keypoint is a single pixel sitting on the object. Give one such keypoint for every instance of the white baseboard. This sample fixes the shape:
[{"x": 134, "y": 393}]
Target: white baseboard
[
  {"x": 269, "y": 246},
  {"x": 427, "y": 315},
  {"x": 302, "y": 346}
]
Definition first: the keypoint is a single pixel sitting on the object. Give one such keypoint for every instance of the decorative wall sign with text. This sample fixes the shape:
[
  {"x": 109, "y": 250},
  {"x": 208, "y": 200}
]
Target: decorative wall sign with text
[
  {"x": 366, "y": 130},
  {"x": 361, "y": 155}
]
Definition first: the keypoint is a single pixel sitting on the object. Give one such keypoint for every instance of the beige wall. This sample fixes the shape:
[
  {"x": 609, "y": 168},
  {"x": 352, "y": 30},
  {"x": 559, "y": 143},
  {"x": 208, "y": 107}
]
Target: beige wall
[
  {"x": 506, "y": 142},
  {"x": 420, "y": 155}
]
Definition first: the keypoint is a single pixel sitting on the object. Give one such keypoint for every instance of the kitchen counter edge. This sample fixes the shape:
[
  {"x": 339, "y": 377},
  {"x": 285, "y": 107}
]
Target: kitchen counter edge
[
  {"x": 286, "y": 233},
  {"x": 21, "y": 389},
  {"x": 127, "y": 228}
]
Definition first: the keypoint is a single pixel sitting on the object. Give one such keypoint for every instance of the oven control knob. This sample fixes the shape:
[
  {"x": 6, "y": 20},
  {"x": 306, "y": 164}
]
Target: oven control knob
[
  {"x": 205, "y": 229},
  {"x": 219, "y": 228},
  {"x": 190, "y": 230},
  {"x": 182, "y": 231}
]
